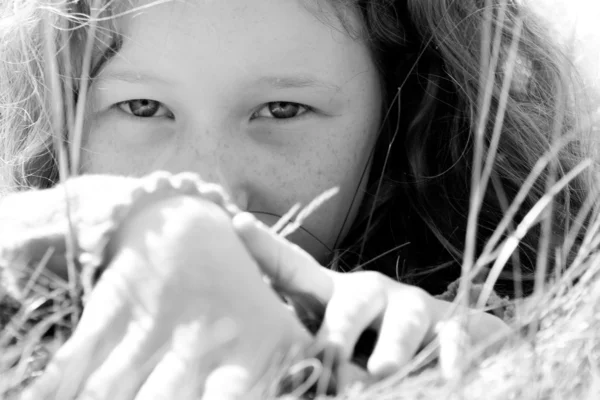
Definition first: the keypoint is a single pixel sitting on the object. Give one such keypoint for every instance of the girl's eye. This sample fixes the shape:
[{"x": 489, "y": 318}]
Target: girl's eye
[
  {"x": 281, "y": 110},
  {"x": 144, "y": 108}
]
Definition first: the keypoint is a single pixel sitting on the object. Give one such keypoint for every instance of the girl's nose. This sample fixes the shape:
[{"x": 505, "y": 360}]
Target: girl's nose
[{"x": 212, "y": 152}]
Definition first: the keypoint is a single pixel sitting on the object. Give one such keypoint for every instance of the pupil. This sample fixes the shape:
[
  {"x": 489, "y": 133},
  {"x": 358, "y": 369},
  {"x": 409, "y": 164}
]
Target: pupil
[
  {"x": 144, "y": 107},
  {"x": 284, "y": 110}
]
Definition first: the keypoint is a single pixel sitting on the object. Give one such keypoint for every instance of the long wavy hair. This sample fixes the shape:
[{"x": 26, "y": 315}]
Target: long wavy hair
[
  {"x": 443, "y": 65},
  {"x": 434, "y": 57}
]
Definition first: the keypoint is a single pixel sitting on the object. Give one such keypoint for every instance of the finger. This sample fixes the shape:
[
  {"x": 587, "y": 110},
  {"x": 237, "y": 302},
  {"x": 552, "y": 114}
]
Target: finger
[
  {"x": 129, "y": 363},
  {"x": 457, "y": 334},
  {"x": 72, "y": 360},
  {"x": 170, "y": 379},
  {"x": 99, "y": 329},
  {"x": 290, "y": 268},
  {"x": 357, "y": 301},
  {"x": 46, "y": 387},
  {"x": 195, "y": 352},
  {"x": 483, "y": 327},
  {"x": 406, "y": 325}
]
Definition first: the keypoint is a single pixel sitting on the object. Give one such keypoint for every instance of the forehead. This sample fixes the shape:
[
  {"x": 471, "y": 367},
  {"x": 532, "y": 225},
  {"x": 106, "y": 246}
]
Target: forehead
[
  {"x": 339, "y": 13},
  {"x": 293, "y": 30}
]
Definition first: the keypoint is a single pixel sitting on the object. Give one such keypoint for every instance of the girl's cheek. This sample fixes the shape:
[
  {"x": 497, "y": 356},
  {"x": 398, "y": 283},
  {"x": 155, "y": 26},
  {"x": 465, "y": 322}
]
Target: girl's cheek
[
  {"x": 103, "y": 157},
  {"x": 115, "y": 145}
]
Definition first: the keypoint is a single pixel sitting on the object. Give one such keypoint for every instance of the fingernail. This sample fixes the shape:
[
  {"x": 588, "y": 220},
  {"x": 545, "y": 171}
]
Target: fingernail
[
  {"x": 244, "y": 217},
  {"x": 244, "y": 222}
]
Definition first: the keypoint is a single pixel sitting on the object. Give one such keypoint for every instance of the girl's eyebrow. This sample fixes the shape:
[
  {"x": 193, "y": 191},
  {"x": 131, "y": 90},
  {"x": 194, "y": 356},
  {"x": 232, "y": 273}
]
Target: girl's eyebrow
[
  {"x": 277, "y": 82},
  {"x": 296, "y": 81},
  {"x": 129, "y": 76}
]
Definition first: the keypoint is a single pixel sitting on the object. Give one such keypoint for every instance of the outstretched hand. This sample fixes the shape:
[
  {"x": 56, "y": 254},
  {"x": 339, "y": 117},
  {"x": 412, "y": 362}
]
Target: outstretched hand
[
  {"x": 182, "y": 312},
  {"x": 404, "y": 316}
]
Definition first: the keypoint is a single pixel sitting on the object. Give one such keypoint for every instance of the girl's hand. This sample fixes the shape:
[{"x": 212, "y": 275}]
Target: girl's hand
[
  {"x": 404, "y": 316},
  {"x": 182, "y": 312}
]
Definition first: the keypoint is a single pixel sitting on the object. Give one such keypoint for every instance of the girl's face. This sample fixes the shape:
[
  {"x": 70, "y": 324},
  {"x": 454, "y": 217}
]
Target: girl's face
[{"x": 261, "y": 96}]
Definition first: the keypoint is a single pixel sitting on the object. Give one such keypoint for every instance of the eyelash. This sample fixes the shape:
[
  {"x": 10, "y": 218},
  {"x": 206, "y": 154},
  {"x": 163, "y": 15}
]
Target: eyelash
[
  {"x": 305, "y": 109},
  {"x": 125, "y": 106}
]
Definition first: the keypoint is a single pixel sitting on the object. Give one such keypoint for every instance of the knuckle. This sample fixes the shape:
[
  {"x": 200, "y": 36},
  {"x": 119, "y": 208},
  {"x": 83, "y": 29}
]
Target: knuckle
[
  {"x": 415, "y": 308},
  {"x": 370, "y": 277},
  {"x": 361, "y": 294},
  {"x": 366, "y": 282},
  {"x": 361, "y": 300},
  {"x": 341, "y": 317},
  {"x": 343, "y": 325},
  {"x": 417, "y": 298}
]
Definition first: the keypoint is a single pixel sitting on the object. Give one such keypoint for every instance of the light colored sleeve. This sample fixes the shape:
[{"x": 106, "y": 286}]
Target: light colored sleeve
[{"x": 37, "y": 226}]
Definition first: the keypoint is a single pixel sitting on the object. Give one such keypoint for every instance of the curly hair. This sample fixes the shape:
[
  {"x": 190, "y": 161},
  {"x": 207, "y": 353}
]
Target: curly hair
[
  {"x": 431, "y": 54},
  {"x": 42, "y": 59},
  {"x": 443, "y": 65}
]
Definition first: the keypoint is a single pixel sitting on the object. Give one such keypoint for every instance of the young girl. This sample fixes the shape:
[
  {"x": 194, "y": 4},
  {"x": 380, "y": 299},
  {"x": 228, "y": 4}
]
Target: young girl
[{"x": 395, "y": 103}]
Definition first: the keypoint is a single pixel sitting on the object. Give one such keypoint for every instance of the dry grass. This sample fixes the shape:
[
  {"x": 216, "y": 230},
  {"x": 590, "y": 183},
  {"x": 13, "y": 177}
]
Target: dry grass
[{"x": 559, "y": 360}]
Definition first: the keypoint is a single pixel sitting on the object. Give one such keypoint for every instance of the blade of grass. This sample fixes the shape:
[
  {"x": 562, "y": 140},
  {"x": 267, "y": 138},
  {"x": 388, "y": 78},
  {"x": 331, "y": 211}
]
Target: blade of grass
[
  {"x": 57, "y": 108},
  {"x": 84, "y": 80},
  {"x": 546, "y": 229},
  {"x": 531, "y": 218},
  {"x": 487, "y": 71},
  {"x": 539, "y": 167}
]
